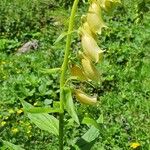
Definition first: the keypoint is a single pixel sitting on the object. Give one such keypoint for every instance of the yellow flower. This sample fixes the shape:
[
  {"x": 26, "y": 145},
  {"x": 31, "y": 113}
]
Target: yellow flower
[
  {"x": 77, "y": 72},
  {"x": 3, "y": 62},
  {"x": 35, "y": 104},
  {"x": 135, "y": 145},
  {"x": 90, "y": 70},
  {"x": 3, "y": 123},
  {"x": 90, "y": 48},
  {"x": 28, "y": 131},
  {"x": 84, "y": 98},
  {"x": 14, "y": 130},
  {"x": 94, "y": 18},
  {"x": 86, "y": 28},
  {"x": 19, "y": 111}
]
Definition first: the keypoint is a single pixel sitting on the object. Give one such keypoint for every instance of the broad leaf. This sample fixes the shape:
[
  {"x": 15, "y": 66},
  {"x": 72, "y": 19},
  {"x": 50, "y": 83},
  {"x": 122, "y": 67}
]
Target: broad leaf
[
  {"x": 69, "y": 105},
  {"x": 89, "y": 138},
  {"x": 43, "y": 121},
  {"x": 90, "y": 121},
  {"x": 91, "y": 134},
  {"x": 42, "y": 110},
  {"x": 11, "y": 146}
]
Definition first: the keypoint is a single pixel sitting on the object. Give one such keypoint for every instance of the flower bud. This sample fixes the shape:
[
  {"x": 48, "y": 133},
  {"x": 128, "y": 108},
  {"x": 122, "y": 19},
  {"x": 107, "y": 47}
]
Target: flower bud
[
  {"x": 90, "y": 71},
  {"x": 77, "y": 72},
  {"x": 90, "y": 48},
  {"x": 94, "y": 18},
  {"x": 84, "y": 98}
]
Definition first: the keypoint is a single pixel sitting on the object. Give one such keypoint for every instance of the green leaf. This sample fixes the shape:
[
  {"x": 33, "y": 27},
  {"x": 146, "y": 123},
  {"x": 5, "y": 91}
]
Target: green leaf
[
  {"x": 69, "y": 105},
  {"x": 100, "y": 119},
  {"x": 56, "y": 104},
  {"x": 50, "y": 71},
  {"x": 42, "y": 110},
  {"x": 88, "y": 139},
  {"x": 43, "y": 121},
  {"x": 90, "y": 121},
  {"x": 11, "y": 146},
  {"x": 61, "y": 36},
  {"x": 91, "y": 134}
]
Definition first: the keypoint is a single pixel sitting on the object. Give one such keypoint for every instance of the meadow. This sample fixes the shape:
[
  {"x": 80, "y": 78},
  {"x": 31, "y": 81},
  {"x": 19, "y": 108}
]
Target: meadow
[{"x": 123, "y": 94}]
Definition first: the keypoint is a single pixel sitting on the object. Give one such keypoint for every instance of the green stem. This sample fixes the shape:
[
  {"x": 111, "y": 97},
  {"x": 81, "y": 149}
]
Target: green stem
[{"x": 63, "y": 73}]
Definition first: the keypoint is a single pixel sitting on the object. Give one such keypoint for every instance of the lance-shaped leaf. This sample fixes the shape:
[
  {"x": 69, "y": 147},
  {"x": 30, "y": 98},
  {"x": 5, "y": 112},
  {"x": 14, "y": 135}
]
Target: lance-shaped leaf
[
  {"x": 38, "y": 110},
  {"x": 77, "y": 72},
  {"x": 90, "y": 70},
  {"x": 50, "y": 71},
  {"x": 11, "y": 146},
  {"x": 62, "y": 35},
  {"x": 94, "y": 18},
  {"x": 43, "y": 121},
  {"x": 84, "y": 98},
  {"x": 69, "y": 105},
  {"x": 90, "y": 47}
]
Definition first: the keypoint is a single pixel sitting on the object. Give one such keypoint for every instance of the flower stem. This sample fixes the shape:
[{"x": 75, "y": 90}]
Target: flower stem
[{"x": 62, "y": 76}]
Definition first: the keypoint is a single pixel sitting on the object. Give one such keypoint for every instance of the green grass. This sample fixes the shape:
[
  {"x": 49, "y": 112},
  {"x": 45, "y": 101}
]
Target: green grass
[{"x": 124, "y": 92}]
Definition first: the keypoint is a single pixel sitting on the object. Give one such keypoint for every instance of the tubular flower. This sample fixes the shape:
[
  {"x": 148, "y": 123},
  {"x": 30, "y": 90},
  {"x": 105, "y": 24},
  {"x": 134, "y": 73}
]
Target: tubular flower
[
  {"x": 94, "y": 18},
  {"x": 77, "y": 72},
  {"x": 90, "y": 47},
  {"x": 92, "y": 53},
  {"x": 84, "y": 98},
  {"x": 86, "y": 28},
  {"x": 90, "y": 71}
]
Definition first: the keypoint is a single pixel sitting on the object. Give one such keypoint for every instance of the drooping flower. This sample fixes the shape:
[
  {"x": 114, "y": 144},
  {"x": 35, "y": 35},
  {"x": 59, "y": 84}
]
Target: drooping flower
[
  {"x": 90, "y": 47},
  {"x": 90, "y": 70},
  {"x": 86, "y": 28},
  {"x": 94, "y": 18},
  {"x": 77, "y": 72},
  {"x": 84, "y": 98}
]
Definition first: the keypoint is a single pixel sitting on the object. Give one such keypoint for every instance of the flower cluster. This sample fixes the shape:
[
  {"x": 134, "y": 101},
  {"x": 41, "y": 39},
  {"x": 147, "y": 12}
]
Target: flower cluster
[{"x": 91, "y": 53}]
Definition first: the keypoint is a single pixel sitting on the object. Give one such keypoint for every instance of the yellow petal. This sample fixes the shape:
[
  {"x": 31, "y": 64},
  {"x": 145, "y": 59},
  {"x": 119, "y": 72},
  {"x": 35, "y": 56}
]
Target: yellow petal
[
  {"x": 77, "y": 72},
  {"x": 90, "y": 71},
  {"x": 86, "y": 28},
  {"x": 84, "y": 98},
  {"x": 90, "y": 48},
  {"x": 94, "y": 18},
  {"x": 135, "y": 145}
]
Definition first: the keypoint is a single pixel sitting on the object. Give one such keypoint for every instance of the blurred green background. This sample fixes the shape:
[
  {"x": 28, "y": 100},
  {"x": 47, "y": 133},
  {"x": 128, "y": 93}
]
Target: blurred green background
[{"x": 124, "y": 93}]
